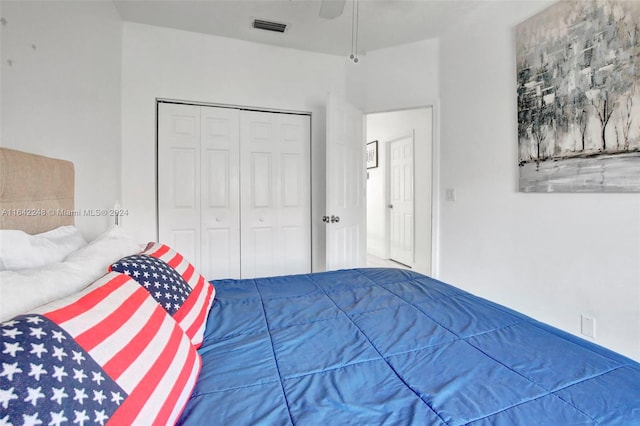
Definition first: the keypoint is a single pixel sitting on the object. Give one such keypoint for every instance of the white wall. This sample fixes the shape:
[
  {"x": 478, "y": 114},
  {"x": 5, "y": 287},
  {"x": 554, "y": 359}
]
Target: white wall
[
  {"x": 386, "y": 127},
  {"x": 62, "y": 99},
  {"x": 395, "y": 78},
  {"x": 551, "y": 256},
  {"x": 165, "y": 63}
]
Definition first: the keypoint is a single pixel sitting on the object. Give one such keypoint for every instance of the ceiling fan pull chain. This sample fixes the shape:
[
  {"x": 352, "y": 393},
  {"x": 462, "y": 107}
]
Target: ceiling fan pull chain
[
  {"x": 353, "y": 27},
  {"x": 357, "y": 5}
]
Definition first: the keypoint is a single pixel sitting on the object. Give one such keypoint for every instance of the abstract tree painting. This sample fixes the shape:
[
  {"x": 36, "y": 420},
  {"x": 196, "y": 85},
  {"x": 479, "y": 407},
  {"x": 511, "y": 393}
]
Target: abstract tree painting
[{"x": 578, "y": 69}]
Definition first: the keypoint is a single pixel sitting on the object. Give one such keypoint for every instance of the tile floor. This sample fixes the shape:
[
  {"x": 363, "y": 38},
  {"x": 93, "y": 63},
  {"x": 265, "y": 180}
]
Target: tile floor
[{"x": 376, "y": 262}]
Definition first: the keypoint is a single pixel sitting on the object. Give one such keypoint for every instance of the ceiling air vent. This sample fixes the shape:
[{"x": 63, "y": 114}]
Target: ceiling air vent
[{"x": 269, "y": 26}]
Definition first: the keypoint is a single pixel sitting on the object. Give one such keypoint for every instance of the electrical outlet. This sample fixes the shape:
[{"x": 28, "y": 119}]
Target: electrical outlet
[{"x": 588, "y": 326}]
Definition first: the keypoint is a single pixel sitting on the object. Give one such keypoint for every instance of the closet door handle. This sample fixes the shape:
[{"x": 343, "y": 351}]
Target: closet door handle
[{"x": 325, "y": 219}]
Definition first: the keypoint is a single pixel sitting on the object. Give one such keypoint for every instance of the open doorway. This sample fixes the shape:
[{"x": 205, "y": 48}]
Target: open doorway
[{"x": 399, "y": 189}]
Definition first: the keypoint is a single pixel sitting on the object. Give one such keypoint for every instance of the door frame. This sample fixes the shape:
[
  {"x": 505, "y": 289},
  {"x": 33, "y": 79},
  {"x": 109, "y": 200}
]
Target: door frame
[
  {"x": 232, "y": 106},
  {"x": 159, "y": 100},
  {"x": 435, "y": 177}
]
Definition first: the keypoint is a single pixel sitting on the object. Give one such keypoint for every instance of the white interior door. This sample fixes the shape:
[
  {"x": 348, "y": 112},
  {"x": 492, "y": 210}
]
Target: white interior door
[
  {"x": 220, "y": 197},
  {"x": 345, "y": 224},
  {"x": 179, "y": 178},
  {"x": 275, "y": 194},
  {"x": 401, "y": 200},
  {"x": 198, "y": 186},
  {"x": 234, "y": 189}
]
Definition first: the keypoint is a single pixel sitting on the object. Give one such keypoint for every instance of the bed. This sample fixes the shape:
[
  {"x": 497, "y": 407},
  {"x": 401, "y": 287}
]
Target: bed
[{"x": 361, "y": 346}]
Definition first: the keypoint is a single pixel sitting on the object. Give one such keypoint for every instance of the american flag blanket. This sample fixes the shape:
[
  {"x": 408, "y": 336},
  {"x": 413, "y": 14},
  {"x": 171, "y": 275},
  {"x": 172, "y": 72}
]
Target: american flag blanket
[
  {"x": 109, "y": 355},
  {"x": 174, "y": 283}
]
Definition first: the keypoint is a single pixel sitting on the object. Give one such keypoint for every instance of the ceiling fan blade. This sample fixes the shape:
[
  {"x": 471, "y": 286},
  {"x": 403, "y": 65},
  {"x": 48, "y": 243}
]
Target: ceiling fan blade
[{"x": 330, "y": 9}]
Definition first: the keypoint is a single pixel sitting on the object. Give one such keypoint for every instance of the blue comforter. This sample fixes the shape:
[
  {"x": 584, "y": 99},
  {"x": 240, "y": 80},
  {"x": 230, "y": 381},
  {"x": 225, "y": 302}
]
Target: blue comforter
[{"x": 386, "y": 346}]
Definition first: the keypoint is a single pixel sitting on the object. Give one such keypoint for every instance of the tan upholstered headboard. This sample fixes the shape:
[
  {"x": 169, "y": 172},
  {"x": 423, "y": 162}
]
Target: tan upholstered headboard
[{"x": 35, "y": 192}]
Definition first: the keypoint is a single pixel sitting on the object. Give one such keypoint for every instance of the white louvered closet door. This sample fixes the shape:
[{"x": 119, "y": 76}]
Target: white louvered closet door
[{"x": 234, "y": 190}]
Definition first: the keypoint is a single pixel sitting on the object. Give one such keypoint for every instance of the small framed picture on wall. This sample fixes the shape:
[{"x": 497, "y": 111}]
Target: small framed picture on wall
[{"x": 372, "y": 155}]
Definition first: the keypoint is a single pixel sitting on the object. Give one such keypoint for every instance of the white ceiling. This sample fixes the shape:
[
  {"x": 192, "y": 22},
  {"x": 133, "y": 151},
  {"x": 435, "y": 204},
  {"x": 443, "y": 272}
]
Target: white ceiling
[{"x": 382, "y": 23}]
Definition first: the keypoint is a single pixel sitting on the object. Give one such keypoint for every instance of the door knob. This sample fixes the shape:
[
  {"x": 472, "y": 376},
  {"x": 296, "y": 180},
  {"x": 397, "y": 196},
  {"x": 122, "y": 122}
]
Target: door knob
[
  {"x": 325, "y": 219},
  {"x": 335, "y": 219}
]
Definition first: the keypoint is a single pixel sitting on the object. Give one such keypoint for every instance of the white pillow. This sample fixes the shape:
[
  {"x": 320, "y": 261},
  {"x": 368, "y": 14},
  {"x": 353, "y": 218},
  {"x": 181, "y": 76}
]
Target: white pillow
[
  {"x": 23, "y": 290},
  {"x": 100, "y": 253},
  {"x": 19, "y": 250}
]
